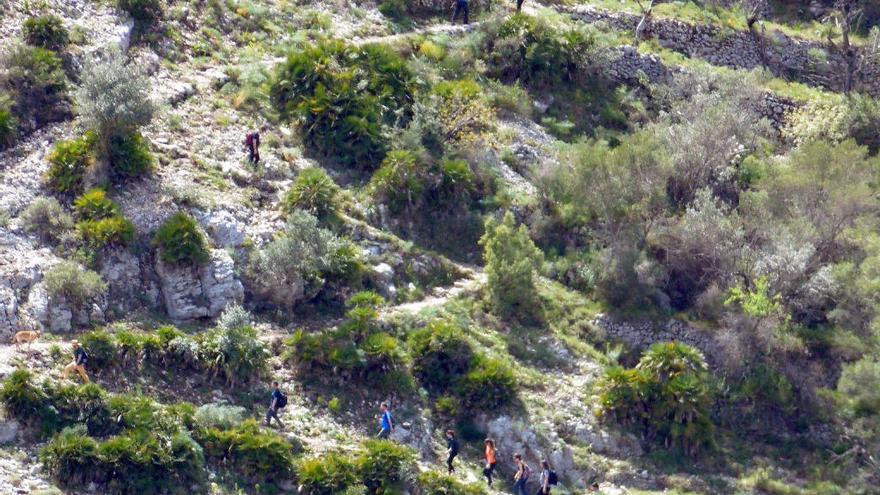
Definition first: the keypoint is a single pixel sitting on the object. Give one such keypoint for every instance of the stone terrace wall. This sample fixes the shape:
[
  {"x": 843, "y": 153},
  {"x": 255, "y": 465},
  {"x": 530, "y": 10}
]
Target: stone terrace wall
[{"x": 787, "y": 57}]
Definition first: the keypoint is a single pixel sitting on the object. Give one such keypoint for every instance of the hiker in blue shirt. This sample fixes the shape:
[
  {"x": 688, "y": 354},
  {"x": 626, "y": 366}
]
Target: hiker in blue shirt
[
  {"x": 386, "y": 422},
  {"x": 461, "y": 6},
  {"x": 279, "y": 400}
]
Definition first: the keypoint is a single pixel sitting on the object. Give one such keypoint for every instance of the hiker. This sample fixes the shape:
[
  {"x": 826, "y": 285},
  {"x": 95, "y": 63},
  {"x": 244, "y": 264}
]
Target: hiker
[
  {"x": 386, "y": 422},
  {"x": 548, "y": 478},
  {"x": 523, "y": 471},
  {"x": 491, "y": 458},
  {"x": 252, "y": 142},
  {"x": 451, "y": 450},
  {"x": 279, "y": 400},
  {"x": 519, "y": 5},
  {"x": 461, "y": 6},
  {"x": 80, "y": 358}
]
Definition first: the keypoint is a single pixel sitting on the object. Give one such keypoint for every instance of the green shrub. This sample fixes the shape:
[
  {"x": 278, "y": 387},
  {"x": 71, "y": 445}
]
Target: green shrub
[
  {"x": 94, "y": 205},
  {"x": 76, "y": 285},
  {"x": 440, "y": 355},
  {"x": 34, "y": 79},
  {"x": 393, "y": 9},
  {"x": 68, "y": 163},
  {"x": 667, "y": 394},
  {"x": 100, "y": 223},
  {"x": 26, "y": 402},
  {"x": 488, "y": 385},
  {"x": 46, "y": 218},
  {"x": 463, "y": 110},
  {"x": 114, "y": 101},
  {"x": 135, "y": 462},
  {"x": 114, "y": 231},
  {"x": 220, "y": 416},
  {"x": 148, "y": 11},
  {"x": 8, "y": 123},
  {"x": 511, "y": 260},
  {"x": 180, "y": 241},
  {"x": 295, "y": 266},
  {"x": 101, "y": 348},
  {"x": 45, "y": 31},
  {"x": 538, "y": 53},
  {"x": 383, "y": 464},
  {"x": 434, "y": 483},
  {"x": 312, "y": 191},
  {"x": 249, "y": 452},
  {"x": 129, "y": 156},
  {"x": 343, "y": 96},
  {"x": 457, "y": 180},
  {"x": 859, "y": 383},
  {"x": 234, "y": 353},
  {"x": 400, "y": 180},
  {"x": 328, "y": 474}
]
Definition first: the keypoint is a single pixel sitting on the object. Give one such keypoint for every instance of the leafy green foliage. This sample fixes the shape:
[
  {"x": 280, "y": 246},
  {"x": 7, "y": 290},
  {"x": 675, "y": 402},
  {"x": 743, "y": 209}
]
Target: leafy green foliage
[
  {"x": 147, "y": 11},
  {"x": 45, "y": 31},
  {"x": 668, "y": 394},
  {"x": 511, "y": 260},
  {"x": 234, "y": 353},
  {"x": 312, "y": 191},
  {"x": 251, "y": 453},
  {"x": 113, "y": 100},
  {"x": 343, "y": 96},
  {"x": 328, "y": 474},
  {"x": 129, "y": 156},
  {"x": 383, "y": 464},
  {"x": 35, "y": 82},
  {"x": 101, "y": 223},
  {"x": 435, "y": 483},
  {"x": 539, "y": 54},
  {"x": 180, "y": 241},
  {"x": 47, "y": 218},
  {"x": 400, "y": 180},
  {"x": 301, "y": 261},
  {"x": 488, "y": 385},
  {"x": 441, "y": 356},
  {"x": 68, "y": 163},
  {"x": 75, "y": 284},
  {"x": 859, "y": 384},
  {"x": 8, "y": 123},
  {"x": 94, "y": 205}
]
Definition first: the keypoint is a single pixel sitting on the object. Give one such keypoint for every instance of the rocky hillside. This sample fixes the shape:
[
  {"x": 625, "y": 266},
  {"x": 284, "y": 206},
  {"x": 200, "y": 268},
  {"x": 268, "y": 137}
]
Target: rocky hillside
[{"x": 638, "y": 244}]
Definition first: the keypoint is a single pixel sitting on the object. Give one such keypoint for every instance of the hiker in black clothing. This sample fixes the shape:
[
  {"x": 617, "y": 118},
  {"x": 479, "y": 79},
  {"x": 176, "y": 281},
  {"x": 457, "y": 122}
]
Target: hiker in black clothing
[
  {"x": 461, "y": 6},
  {"x": 252, "y": 143},
  {"x": 279, "y": 400},
  {"x": 519, "y": 5},
  {"x": 80, "y": 358},
  {"x": 451, "y": 450}
]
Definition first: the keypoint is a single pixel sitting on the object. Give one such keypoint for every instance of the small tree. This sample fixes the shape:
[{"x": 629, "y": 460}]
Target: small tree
[
  {"x": 114, "y": 99},
  {"x": 511, "y": 260},
  {"x": 180, "y": 241}
]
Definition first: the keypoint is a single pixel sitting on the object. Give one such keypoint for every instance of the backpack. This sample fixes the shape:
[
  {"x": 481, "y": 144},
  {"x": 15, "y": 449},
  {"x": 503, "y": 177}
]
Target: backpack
[
  {"x": 281, "y": 401},
  {"x": 552, "y": 479},
  {"x": 526, "y": 472},
  {"x": 83, "y": 358}
]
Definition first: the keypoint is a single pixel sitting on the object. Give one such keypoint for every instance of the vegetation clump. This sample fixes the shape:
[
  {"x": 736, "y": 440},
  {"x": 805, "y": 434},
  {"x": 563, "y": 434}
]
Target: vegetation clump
[
  {"x": 69, "y": 162},
  {"x": 668, "y": 395},
  {"x": 46, "y": 218},
  {"x": 100, "y": 222},
  {"x": 46, "y": 31},
  {"x": 511, "y": 260},
  {"x": 312, "y": 191},
  {"x": 344, "y": 97},
  {"x": 180, "y": 241},
  {"x": 73, "y": 284},
  {"x": 35, "y": 84}
]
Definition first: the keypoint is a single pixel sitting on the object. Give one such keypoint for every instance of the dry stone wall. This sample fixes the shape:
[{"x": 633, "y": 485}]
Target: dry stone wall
[{"x": 807, "y": 61}]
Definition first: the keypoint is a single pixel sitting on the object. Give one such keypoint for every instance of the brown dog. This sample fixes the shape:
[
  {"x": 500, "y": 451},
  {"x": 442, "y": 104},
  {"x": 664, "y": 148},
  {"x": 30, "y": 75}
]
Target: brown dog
[{"x": 25, "y": 336}]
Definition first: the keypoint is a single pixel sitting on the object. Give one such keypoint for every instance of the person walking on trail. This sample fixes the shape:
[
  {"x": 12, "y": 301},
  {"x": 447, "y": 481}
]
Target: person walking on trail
[
  {"x": 386, "y": 421},
  {"x": 252, "y": 143},
  {"x": 523, "y": 471},
  {"x": 451, "y": 450},
  {"x": 491, "y": 459},
  {"x": 461, "y": 7},
  {"x": 80, "y": 358},
  {"x": 279, "y": 400},
  {"x": 519, "y": 5},
  {"x": 548, "y": 479}
]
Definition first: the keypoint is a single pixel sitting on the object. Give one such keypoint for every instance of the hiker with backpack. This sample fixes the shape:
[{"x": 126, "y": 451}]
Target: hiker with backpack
[
  {"x": 461, "y": 6},
  {"x": 80, "y": 358},
  {"x": 451, "y": 450},
  {"x": 252, "y": 143},
  {"x": 548, "y": 478},
  {"x": 523, "y": 471},
  {"x": 491, "y": 459},
  {"x": 386, "y": 421},
  {"x": 279, "y": 401}
]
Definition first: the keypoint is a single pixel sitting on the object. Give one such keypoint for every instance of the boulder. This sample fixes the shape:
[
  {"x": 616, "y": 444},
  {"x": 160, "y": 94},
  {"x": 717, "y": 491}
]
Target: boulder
[
  {"x": 8, "y": 312},
  {"x": 192, "y": 292},
  {"x": 122, "y": 272},
  {"x": 224, "y": 228},
  {"x": 9, "y": 431},
  {"x": 53, "y": 314}
]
